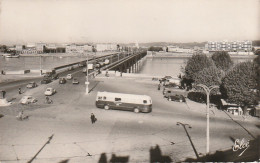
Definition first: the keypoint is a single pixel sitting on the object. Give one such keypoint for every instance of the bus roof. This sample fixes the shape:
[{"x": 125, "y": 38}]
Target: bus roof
[{"x": 122, "y": 95}]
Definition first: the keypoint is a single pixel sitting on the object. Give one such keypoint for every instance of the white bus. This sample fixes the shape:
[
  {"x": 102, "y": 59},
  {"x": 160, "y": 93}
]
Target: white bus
[{"x": 121, "y": 101}]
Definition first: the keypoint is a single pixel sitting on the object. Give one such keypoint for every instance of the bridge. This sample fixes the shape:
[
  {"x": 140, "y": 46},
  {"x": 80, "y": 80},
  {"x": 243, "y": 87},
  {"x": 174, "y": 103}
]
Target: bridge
[{"x": 124, "y": 62}]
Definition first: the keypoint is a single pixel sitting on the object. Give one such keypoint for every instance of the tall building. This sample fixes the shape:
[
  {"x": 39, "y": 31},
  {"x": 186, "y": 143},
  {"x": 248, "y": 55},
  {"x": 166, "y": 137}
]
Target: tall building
[{"x": 229, "y": 46}]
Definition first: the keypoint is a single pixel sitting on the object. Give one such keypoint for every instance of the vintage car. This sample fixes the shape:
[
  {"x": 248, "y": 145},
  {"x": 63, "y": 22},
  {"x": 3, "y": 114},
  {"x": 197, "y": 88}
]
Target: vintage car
[
  {"x": 28, "y": 100},
  {"x": 49, "y": 91},
  {"x": 31, "y": 85}
]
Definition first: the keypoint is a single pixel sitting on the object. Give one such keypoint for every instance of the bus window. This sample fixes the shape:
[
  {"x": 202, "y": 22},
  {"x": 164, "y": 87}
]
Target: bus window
[
  {"x": 104, "y": 98},
  {"x": 117, "y": 99},
  {"x": 100, "y": 98},
  {"x": 144, "y": 101}
]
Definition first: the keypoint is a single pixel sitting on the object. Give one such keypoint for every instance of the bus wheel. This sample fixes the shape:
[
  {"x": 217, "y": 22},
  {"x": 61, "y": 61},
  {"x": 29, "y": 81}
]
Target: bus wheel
[
  {"x": 106, "y": 107},
  {"x": 136, "y": 110}
]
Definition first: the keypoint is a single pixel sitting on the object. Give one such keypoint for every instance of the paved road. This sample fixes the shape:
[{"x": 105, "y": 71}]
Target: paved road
[{"x": 126, "y": 134}]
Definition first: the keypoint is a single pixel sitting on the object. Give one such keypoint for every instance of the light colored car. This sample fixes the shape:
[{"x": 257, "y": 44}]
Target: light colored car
[
  {"x": 31, "y": 85},
  {"x": 75, "y": 81},
  {"x": 69, "y": 76},
  {"x": 49, "y": 91},
  {"x": 28, "y": 100}
]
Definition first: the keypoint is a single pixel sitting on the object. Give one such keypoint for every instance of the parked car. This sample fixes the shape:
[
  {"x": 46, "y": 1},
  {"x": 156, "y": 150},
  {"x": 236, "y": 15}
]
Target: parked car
[
  {"x": 165, "y": 78},
  {"x": 49, "y": 91},
  {"x": 71, "y": 68},
  {"x": 75, "y": 81},
  {"x": 179, "y": 98},
  {"x": 174, "y": 91},
  {"x": 46, "y": 81},
  {"x": 69, "y": 76},
  {"x": 28, "y": 100},
  {"x": 62, "y": 80},
  {"x": 55, "y": 76},
  {"x": 31, "y": 85}
]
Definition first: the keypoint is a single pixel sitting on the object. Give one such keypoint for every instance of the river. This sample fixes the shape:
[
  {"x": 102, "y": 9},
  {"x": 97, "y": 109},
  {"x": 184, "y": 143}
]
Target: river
[
  {"x": 162, "y": 66},
  {"x": 159, "y": 66}
]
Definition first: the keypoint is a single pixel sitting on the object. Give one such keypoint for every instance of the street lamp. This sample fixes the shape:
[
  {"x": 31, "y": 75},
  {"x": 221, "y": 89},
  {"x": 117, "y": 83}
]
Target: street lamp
[
  {"x": 207, "y": 90},
  {"x": 87, "y": 82}
]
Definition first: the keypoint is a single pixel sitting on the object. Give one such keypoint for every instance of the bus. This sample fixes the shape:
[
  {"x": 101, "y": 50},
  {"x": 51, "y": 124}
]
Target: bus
[{"x": 121, "y": 101}]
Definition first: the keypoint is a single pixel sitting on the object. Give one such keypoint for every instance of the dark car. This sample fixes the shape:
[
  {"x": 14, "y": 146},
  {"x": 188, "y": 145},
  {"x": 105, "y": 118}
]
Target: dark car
[
  {"x": 178, "y": 98},
  {"x": 46, "y": 81},
  {"x": 55, "y": 76},
  {"x": 62, "y": 81},
  {"x": 165, "y": 78},
  {"x": 31, "y": 85}
]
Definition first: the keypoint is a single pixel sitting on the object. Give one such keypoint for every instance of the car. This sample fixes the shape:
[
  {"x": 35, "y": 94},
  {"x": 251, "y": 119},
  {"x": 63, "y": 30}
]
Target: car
[
  {"x": 62, "y": 80},
  {"x": 55, "y": 76},
  {"x": 49, "y": 91},
  {"x": 46, "y": 81},
  {"x": 71, "y": 68},
  {"x": 75, "y": 81},
  {"x": 179, "y": 98},
  {"x": 165, "y": 78},
  {"x": 69, "y": 77},
  {"x": 31, "y": 85},
  {"x": 28, "y": 100},
  {"x": 84, "y": 70}
]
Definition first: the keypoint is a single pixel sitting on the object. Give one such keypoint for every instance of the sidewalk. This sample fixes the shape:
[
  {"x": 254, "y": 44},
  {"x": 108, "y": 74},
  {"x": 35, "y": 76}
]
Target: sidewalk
[{"x": 213, "y": 111}]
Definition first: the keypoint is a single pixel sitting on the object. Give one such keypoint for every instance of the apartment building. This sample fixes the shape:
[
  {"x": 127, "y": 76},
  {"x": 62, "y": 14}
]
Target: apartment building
[{"x": 229, "y": 46}]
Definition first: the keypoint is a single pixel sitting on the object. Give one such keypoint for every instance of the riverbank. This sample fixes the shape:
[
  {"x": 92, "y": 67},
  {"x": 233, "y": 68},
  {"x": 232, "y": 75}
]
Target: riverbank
[{"x": 188, "y": 55}]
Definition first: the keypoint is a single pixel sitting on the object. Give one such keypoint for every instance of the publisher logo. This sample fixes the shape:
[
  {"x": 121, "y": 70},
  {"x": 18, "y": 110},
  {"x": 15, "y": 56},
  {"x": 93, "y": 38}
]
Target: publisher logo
[{"x": 241, "y": 144}]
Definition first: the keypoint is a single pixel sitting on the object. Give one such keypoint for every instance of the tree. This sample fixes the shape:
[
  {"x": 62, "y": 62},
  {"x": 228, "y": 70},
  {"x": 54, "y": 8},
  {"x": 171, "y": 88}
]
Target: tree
[
  {"x": 257, "y": 69},
  {"x": 154, "y": 48},
  {"x": 222, "y": 60},
  {"x": 195, "y": 64},
  {"x": 239, "y": 85},
  {"x": 209, "y": 76}
]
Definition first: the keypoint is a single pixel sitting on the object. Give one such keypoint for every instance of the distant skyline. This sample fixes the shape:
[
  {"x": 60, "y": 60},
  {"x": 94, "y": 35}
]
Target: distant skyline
[{"x": 128, "y": 21}]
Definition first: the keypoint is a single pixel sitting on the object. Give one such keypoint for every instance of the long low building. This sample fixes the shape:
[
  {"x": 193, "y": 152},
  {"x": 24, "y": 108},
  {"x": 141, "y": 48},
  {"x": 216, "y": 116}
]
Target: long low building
[{"x": 229, "y": 46}]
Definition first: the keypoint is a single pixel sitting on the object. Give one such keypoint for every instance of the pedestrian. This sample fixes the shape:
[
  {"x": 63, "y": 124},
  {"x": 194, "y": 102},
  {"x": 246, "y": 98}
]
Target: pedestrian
[
  {"x": 19, "y": 91},
  {"x": 159, "y": 86},
  {"x": 93, "y": 118},
  {"x": 3, "y": 92}
]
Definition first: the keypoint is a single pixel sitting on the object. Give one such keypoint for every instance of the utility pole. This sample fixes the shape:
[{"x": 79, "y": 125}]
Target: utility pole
[
  {"x": 87, "y": 82},
  {"x": 207, "y": 90}
]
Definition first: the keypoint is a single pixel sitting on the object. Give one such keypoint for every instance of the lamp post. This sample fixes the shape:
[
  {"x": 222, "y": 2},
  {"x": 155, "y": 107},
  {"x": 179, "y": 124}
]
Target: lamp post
[
  {"x": 87, "y": 82},
  {"x": 40, "y": 65},
  {"x": 207, "y": 90}
]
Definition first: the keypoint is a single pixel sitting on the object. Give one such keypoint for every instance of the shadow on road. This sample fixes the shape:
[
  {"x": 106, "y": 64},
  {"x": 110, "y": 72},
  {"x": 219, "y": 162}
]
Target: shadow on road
[
  {"x": 156, "y": 155},
  {"x": 64, "y": 161},
  {"x": 249, "y": 133},
  {"x": 94, "y": 87},
  {"x": 193, "y": 147},
  {"x": 114, "y": 159}
]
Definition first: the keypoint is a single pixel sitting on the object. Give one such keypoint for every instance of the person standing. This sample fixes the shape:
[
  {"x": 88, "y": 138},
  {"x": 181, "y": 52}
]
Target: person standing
[
  {"x": 93, "y": 118},
  {"x": 19, "y": 91},
  {"x": 3, "y": 94}
]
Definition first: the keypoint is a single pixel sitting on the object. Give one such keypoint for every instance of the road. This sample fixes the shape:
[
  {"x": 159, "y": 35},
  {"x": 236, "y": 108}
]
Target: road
[{"x": 127, "y": 135}]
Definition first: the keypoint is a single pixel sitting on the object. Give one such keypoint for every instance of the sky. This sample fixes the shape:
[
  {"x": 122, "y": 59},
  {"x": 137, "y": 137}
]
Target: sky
[{"x": 128, "y": 21}]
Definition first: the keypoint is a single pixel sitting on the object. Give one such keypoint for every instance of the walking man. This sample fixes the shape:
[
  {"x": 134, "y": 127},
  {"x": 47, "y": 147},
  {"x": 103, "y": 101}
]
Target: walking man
[
  {"x": 19, "y": 91},
  {"x": 3, "y": 94},
  {"x": 93, "y": 118}
]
